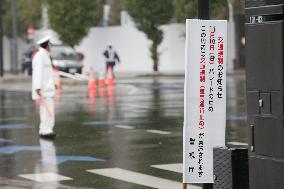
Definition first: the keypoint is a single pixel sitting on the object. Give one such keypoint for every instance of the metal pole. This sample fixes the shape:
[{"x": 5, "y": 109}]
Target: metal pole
[
  {"x": 203, "y": 9},
  {"x": 14, "y": 49},
  {"x": 1, "y": 43},
  {"x": 203, "y": 13}
]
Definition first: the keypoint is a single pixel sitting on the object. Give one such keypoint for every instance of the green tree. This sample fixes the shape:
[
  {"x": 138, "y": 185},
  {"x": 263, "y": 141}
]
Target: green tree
[
  {"x": 185, "y": 9},
  {"x": 115, "y": 9},
  {"x": 218, "y": 9},
  {"x": 189, "y": 9},
  {"x": 28, "y": 13},
  {"x": 72, "y": 19},
  {"x": 239, "y": 6},
  {"x": 148, "y": 16}
]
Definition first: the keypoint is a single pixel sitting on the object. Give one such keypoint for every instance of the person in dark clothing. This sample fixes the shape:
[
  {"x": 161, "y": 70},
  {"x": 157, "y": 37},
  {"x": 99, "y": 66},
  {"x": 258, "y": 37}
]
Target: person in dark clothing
[
  {"x": 27, "y": 59},
  {"x": 111, "y": 58}
]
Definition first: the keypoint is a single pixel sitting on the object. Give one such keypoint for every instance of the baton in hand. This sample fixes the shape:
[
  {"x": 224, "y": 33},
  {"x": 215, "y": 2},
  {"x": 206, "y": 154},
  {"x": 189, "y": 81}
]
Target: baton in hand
[{"x": 43, "y": 101}]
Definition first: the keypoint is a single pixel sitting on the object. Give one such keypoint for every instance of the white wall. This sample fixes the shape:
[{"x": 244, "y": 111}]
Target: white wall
[
  {"x": 133, "y": 48},
  {"x": 7, "y": 53},
  {"x": 172, "y": 48}
]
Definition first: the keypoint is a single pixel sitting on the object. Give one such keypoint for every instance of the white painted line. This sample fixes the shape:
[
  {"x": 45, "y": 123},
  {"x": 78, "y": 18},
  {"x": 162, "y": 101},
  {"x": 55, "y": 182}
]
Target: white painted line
[
  {"x": 175, "y": 167},
  {"x": 13, "y": 119},
  {"x": 124, "y": 127},
  {"x": 158, "y": 132},
  {"x": 82, "y": 77},
  {"x": 45, "y": 177},
  {"x": 71, "y": 76},
  {"x": 139, "y": 178},
  {"x": 131, "y": 89},
  {"x": 238, "y": 143}
]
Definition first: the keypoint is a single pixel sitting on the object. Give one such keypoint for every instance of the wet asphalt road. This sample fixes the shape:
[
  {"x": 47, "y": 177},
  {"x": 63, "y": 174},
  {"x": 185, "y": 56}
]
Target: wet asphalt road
[{"x": 105, "y": 128}]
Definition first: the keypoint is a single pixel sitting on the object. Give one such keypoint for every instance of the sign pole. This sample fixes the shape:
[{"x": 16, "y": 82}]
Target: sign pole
[
  {"x": 205, "y": 102},
  {"x": 203, "y": 9},
  {"x": 203, "y": 13}
]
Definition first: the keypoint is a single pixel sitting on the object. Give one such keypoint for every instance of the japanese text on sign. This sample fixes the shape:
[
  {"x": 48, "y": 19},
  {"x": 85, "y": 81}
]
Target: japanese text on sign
[{"x": 205, "y": 97}]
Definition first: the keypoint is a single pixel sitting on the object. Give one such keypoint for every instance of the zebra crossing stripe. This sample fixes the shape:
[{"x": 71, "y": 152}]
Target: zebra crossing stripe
[
  {"x": 175, "y": 167},
  {"x": 158, "y": 132},
  {"x": 124, "y": 127},
  {"x": 238, "y": 143},
  {"x": 139, "y": 178},
  {"x": 45, "y": 177},
  {"x": 13, "y": 119}
]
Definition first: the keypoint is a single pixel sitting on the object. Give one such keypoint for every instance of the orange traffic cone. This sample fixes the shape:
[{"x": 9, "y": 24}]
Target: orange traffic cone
[
  {"x": 92, "y": 82},
  {"x": 57, "y": 79},
  {"x": 83, "y": 70},
  {"x": 110, "y": 79},
  {"x": 92, "y": 93},
  {"x": 101, "y": 79}
]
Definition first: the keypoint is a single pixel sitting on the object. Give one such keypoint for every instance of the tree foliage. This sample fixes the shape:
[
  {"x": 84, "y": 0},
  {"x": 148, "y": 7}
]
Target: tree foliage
[
  {"x": 239, "y": 6},
  {"x": 116, "y": 7},
  {"x": 218, "y": 9},
  {"x": 148, "y": 16},
  {"x": 185, "y": 9},
  {"x": 189, "y": 9},
  {"x": 28, "y": 13},
  {"x": 72, "y": 19}
]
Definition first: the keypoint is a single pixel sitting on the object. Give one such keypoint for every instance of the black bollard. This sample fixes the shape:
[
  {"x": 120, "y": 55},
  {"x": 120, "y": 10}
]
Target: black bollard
[{"x": 207, "y": 186}]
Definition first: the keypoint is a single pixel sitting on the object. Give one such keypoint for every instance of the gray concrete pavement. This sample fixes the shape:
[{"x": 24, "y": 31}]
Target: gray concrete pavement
[{"x": 111, "y": 137}]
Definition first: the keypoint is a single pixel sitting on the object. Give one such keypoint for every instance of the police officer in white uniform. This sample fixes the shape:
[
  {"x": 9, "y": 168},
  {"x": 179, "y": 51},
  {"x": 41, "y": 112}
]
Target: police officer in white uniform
[{"x": 43, "y": 87}]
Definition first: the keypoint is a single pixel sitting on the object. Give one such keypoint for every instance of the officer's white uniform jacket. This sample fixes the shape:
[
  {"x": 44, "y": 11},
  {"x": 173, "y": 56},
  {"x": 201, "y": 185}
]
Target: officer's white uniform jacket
[{"x": 42, "y": 75}]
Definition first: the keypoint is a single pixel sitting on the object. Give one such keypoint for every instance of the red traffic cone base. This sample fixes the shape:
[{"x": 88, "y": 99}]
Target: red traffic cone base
[
  {"x": 110, "y": 79},
  {"x": 92, "y": 82}
]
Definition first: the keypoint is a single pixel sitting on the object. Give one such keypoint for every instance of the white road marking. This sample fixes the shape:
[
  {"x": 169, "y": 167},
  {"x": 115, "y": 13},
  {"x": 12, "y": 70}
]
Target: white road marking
[
  {"x": 124, "y": 127},
  {"x": 175, "y": 167},
  {"x": 71, "y": 76},
  {"x": 158, "y": 132},
  {"x": 131, "y": 89},
  {"x": 45, "y": 177},
  {"x": 13, "y": 119},
  {"x": 238, "y": 143},
  {"x": 139, "y": 178}
]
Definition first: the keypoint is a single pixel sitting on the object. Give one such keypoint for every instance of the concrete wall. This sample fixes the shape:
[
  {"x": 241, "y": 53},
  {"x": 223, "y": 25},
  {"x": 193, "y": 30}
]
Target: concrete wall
[
  {"x": 133, "y": 48},
  {"x": 172, "y": 48},
  {"x": 7, "y": 53}
]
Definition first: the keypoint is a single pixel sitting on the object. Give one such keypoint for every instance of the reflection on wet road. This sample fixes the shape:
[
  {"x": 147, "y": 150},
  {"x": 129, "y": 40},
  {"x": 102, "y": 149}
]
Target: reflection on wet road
[{"x": 133, "y": 128}]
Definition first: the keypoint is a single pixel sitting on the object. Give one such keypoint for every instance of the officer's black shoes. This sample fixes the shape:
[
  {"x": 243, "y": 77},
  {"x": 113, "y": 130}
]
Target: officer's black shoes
[{"x": 49, "y": 136}]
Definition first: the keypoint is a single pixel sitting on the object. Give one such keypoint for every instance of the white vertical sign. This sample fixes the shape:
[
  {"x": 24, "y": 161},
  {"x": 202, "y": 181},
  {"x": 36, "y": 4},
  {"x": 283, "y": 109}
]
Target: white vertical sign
[{"x": 205, "y": 97}]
